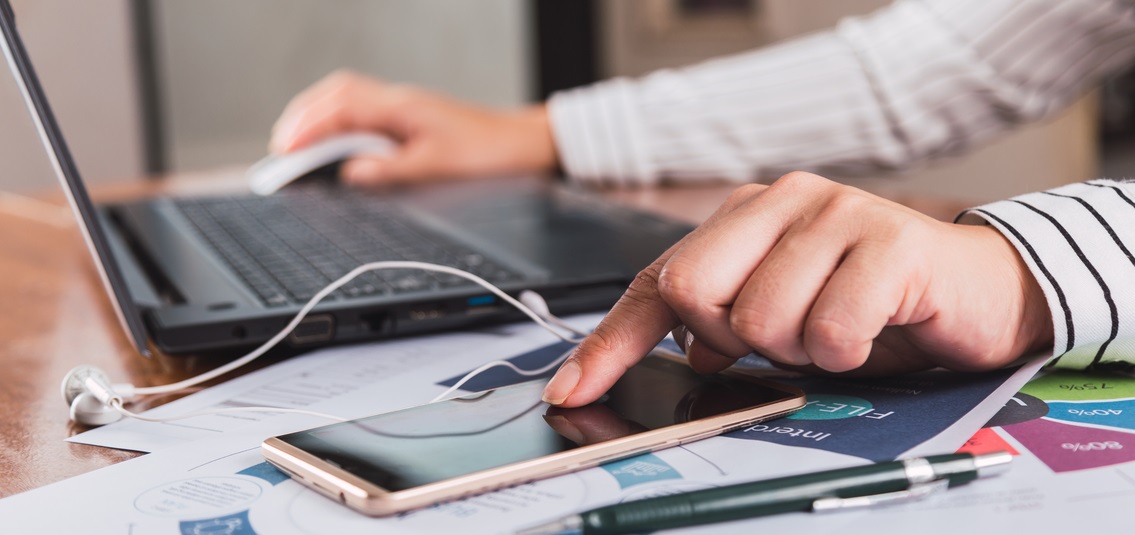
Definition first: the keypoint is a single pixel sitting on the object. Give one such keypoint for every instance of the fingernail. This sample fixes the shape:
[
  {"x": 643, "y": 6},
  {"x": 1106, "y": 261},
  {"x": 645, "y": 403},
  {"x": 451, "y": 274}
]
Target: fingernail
[
  {"x": 689, "y": 340},
  {"x": 360, "y": 171},
  {"x": 563, "y": 383}
]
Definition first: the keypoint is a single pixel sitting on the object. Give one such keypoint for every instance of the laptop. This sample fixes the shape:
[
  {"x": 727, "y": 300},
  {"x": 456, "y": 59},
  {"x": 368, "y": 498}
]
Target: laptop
[{"x": 191, "y": 275}]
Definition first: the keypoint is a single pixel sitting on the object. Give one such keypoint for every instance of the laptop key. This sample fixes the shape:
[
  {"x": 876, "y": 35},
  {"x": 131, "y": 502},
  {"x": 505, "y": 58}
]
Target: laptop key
[{"x": 289, "y": 246}]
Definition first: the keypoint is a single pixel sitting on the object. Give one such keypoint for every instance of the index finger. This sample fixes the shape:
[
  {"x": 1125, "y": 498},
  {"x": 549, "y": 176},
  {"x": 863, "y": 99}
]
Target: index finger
[
  {"x": 632, "y": 329},
  {"x": 637, "y": 322}
]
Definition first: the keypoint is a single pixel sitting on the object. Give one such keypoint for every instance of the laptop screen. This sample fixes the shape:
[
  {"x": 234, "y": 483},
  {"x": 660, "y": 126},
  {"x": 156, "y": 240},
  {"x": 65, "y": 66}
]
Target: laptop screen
[{"x": 68, "y": 173}]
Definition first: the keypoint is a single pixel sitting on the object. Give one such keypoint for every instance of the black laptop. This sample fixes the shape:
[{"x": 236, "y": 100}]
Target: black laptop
[{"x": 208, "y": 273}]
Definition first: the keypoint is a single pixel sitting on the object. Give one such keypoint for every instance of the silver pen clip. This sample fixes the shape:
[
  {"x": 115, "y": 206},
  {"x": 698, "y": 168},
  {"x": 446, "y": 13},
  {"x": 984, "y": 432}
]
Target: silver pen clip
[{"x": 916, "y": 492}]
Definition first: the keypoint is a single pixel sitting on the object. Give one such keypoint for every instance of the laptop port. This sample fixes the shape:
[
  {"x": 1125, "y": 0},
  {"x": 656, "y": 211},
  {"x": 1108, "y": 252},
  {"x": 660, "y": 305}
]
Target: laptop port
[
  {"x": 428, "y": 313},
  {"x": 313, "y": 329},
  {"x": 482, "y": 304},
  {"x": 377, "y": 322}
]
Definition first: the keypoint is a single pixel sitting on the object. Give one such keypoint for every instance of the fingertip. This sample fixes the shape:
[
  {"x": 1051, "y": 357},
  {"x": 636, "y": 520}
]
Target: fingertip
[{"x": 563, "y": 383}]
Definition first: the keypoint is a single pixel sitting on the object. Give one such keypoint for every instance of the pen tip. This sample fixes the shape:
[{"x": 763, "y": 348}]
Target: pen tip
[
  {"x": 564, "y": 526},
  {"x": 992, "y": 464}
]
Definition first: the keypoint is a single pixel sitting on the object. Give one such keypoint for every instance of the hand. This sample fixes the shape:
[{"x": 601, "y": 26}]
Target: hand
[
  {"x": 810, "y": 273},
  {"x": 439, "y": 137}
]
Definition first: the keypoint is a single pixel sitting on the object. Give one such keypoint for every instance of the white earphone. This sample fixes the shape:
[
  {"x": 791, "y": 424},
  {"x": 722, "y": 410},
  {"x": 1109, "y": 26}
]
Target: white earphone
[
  {"x": 94, "y": 400},
  {"x": 87, "y": 390}
]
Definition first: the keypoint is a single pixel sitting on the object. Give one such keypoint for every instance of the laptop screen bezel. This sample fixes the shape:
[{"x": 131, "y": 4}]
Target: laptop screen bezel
[{"x": 67, "y": 172}]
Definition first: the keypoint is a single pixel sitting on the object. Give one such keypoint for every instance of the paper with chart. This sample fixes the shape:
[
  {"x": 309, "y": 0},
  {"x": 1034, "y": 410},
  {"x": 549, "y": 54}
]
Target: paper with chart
[
  {"x": 350, "y": 382},
  {"x": 223, "y": 486},
  {"x": 215, "y": 480},
  {"x": 1073, "y": 440},
  {"x": 877, "y": 419}
]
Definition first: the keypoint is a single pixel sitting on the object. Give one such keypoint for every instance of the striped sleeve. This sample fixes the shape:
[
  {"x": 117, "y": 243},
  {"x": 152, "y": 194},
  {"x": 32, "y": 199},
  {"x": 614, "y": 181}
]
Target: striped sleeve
[
  {"x": 913, "y": 81},
  {"x": 1078, "y": 240}
]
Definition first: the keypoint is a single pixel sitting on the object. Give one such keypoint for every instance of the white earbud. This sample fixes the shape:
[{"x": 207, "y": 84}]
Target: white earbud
[
  {"x": 90, "y": 395},
  {"x": 536, "y": 303},
  {"x": 86, "y": 409}
]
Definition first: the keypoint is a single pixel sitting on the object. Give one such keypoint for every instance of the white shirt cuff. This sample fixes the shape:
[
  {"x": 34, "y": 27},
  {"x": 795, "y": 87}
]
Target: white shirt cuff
[
  {"x": 594, "y": 129},
  {"x": 1077, "y": 241}
]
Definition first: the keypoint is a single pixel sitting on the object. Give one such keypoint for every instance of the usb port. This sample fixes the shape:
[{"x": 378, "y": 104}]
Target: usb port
[
  {"x": 481, "y": 304},
  {"x": 313, "y": 329},
  {"x": 481, "y": 300}
]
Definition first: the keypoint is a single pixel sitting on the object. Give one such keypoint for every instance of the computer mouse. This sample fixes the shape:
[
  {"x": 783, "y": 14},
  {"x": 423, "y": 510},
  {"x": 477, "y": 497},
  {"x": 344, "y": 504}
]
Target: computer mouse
[{"x": 278, "y": 170}]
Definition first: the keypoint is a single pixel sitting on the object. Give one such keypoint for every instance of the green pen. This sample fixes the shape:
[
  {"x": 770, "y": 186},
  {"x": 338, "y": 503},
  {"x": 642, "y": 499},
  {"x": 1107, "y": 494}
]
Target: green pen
[{"x": 831, "y": 490}]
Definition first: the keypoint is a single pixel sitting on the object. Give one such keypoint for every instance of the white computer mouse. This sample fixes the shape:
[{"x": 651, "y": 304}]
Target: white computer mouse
[{"x": 276, "y": 171}]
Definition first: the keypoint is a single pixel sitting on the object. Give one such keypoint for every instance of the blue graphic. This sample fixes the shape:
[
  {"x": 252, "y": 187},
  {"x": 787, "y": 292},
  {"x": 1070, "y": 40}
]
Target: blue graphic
[
  {"x": 267, "y": 472},
  {"x": 1112, "y": 413},
  {"x": 641, "y": 469},
  {"x": 501, "y": 376},
  {"x": 876, "y": 419},
  {"x": 235, "y": 524}
]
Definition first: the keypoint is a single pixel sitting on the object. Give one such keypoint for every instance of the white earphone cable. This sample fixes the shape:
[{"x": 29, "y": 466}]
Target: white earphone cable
[
  {"x": 311, "y": 303},
  {"x": 530, "y": 303},
  {"x": 117, "y": 405}
]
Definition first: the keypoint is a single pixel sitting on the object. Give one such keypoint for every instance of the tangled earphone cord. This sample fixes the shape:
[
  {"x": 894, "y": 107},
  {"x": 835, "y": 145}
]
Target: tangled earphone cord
[{"x": 536, "y": 310}]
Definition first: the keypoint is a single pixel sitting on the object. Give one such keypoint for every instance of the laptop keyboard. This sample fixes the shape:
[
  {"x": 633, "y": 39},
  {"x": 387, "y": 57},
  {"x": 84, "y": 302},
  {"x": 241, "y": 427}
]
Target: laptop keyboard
[{"x": 289, "y": 246}]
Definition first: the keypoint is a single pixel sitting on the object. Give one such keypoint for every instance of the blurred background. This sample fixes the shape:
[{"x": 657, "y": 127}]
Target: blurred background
[{"x": 145, "y": 87}]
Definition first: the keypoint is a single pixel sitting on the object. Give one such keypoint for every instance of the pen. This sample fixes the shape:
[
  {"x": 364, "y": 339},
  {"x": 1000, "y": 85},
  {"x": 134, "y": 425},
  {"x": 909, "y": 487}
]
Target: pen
[{"x": 831, "y": 490}]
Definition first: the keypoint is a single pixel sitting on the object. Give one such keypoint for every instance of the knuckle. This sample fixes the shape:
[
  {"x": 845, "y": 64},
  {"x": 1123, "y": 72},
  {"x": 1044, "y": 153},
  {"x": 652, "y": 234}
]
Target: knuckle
[
  {"x": 800, "y": 181},
  {"x": 642, "y": 294},
  {"x": 679, "y": 286},
  {"x": 754, "y": 327},
  {"x": 833, "y": 336},
  {"x": 743, "y": 193},
  {"x": 646, "y": 282},
  {"x": 847, "y": 201},
  {"x": 400, "y": 95},
  {"x": 760, "y": 330}
]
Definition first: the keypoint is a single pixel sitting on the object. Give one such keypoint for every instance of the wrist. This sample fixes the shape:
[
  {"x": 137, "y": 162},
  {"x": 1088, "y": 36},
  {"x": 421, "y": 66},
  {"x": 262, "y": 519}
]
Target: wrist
[
  {"x": 536, "y": 145},
  {"x": 1036, "y": 329}
]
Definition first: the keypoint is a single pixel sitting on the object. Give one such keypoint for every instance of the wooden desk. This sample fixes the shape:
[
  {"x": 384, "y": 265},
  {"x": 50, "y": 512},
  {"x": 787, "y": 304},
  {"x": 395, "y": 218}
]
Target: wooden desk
[{"x": 56, "y": 316}]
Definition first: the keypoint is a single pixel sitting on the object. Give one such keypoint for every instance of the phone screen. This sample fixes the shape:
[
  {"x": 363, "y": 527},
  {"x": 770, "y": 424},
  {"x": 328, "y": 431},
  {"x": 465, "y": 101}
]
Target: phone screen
[{"x": 439, "y": 441}]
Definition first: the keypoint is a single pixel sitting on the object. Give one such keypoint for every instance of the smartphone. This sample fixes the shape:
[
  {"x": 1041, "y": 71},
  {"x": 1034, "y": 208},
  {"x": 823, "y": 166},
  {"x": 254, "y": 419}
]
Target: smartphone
[{"x": 412, "y": 458}]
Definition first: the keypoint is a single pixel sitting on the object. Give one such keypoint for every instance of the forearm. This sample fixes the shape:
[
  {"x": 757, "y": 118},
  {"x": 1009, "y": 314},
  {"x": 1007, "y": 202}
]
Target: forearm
[
  {"x": 916, "y": 80},
  {"x": 1078, "y": 241}
]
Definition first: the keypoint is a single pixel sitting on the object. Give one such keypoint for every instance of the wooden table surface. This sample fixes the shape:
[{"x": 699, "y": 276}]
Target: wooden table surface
[{"x": 56, "y": 316}]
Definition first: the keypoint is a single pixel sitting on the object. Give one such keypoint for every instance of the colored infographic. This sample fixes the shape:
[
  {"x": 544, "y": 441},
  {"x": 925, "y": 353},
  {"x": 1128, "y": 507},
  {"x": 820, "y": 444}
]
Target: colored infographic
[
  {"x": 875, "y": 419},
  {"x": 1073, "y": 421}
]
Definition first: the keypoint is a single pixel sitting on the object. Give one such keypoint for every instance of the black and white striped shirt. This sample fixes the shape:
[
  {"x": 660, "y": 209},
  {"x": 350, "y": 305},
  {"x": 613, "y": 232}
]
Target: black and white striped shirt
[{"x": 916, "y": 80}]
